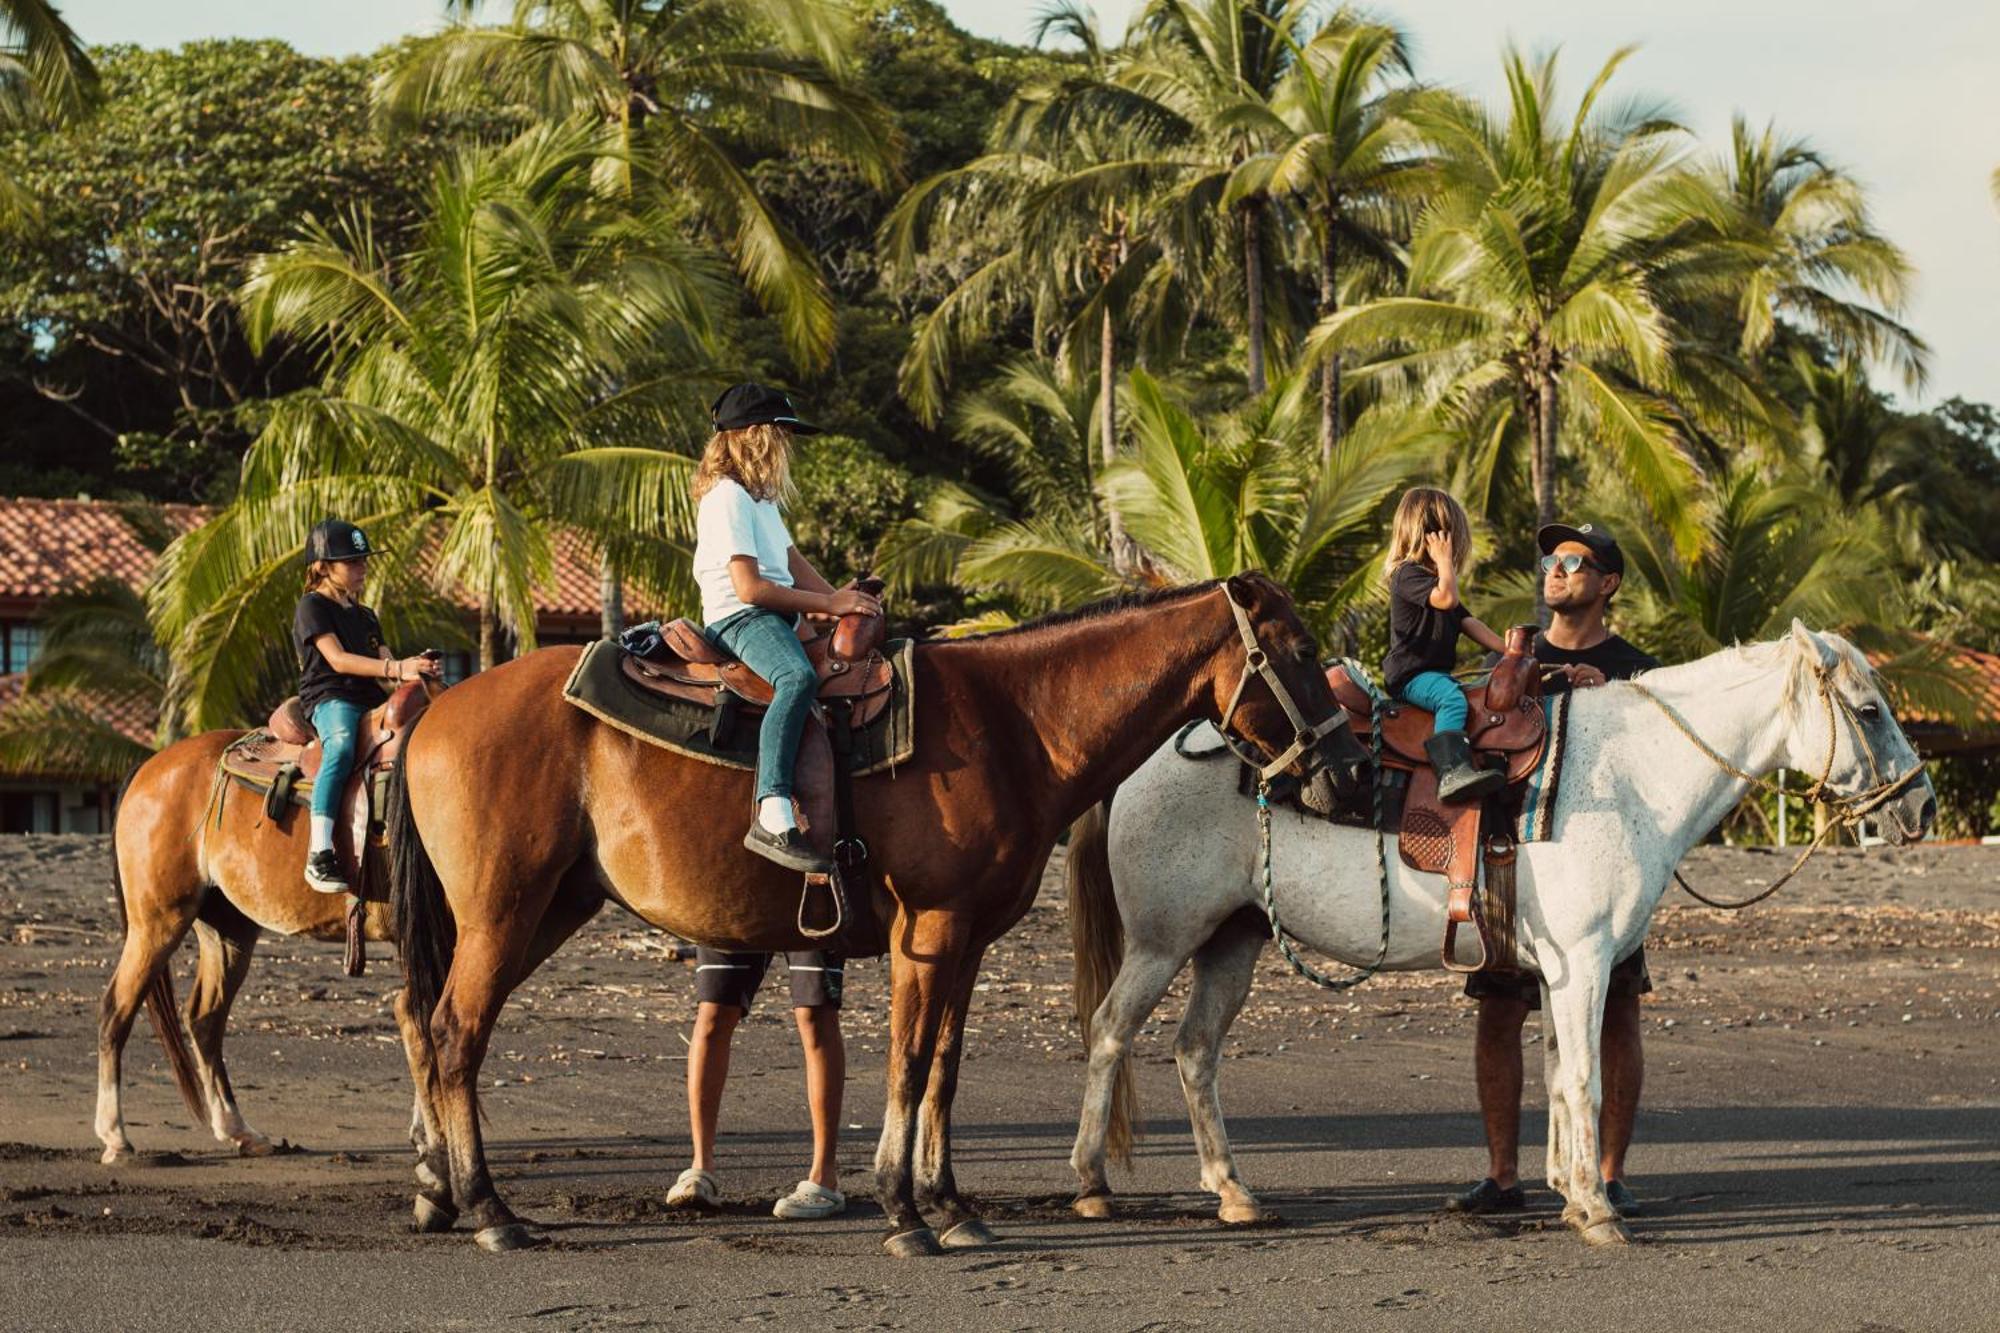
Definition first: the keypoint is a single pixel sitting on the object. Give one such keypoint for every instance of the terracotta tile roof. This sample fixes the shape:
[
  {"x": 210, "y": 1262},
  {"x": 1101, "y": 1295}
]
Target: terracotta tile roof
[
  {"x": 1979, "y": 673},
  {"x": 49, "y": 545}
]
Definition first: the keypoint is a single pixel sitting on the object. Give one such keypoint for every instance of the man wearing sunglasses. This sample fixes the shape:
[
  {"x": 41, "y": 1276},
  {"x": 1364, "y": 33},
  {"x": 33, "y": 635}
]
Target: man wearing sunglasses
[{"x": 1582, "y": 568}]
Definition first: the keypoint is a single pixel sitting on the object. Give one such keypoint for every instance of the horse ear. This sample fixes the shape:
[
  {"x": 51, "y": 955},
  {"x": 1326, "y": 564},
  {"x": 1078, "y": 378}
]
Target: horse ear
[
  {"x": 1242, "y": 590},
  {"x": 1815, "y": 648}
]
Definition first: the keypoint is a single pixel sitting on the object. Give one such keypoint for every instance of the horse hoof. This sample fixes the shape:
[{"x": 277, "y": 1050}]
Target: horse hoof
[
  {"x": 1093, "y": 1207},
  {"x": 1606, "y": 1231},
  {"x": 920, "y": 1243},
  {"x": 512, "y": 1236},
  {"x": 967, "y": 1235},
  {"x": 431, "y": 1216},
  {"x": 254, "y": 1145},
  {"x": 428, "y": 1178},
  {"x": 1240, "y": 1214}
]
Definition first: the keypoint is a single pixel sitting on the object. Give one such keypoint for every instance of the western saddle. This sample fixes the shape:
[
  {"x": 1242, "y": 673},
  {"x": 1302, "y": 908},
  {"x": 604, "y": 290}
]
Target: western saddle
[
  {"x": 856, "y": 682},
  {"x": 1509, "y": 731},
  {"x": 283, "y": 759}
]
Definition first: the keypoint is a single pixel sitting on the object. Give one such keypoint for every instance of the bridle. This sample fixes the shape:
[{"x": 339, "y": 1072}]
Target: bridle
[
  {"x": 1257, "y": 662},
  {"x": 1844, "y": 809}
]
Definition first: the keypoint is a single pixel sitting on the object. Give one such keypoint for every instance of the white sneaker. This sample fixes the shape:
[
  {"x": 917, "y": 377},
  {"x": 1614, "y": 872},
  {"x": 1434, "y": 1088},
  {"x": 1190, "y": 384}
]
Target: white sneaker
[
  {"x": 323, "y": 873},
  {"x": 809, "y": 1201},
  {"x": 695, "y": 1190}
]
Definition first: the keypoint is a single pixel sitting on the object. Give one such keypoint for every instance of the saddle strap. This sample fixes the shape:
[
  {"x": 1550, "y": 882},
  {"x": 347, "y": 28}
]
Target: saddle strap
[
  {"x": 1462, "y": 904},
  {"x": 850, "y": 853},
  {"x": 1500, "y": 916},
  {"x": 356, "y": 960}
]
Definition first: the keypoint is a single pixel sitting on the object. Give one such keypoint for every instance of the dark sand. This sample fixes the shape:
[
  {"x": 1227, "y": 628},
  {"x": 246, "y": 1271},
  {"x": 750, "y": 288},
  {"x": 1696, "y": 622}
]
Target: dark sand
[{"x": 1819, "y": 1148}]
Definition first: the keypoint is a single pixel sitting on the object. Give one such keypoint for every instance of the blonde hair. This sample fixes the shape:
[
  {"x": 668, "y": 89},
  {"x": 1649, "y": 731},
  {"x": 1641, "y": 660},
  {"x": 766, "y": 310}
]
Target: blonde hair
[
  {"x": 1425, "y": 509},
  {"x": 318, "y": 574},
  {"x": 758, "y": 458}
]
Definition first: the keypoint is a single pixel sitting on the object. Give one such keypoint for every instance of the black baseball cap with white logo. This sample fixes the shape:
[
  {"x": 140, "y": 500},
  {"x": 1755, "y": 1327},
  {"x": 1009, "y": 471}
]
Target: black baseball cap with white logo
[
  {"x": 745, "y": 405},
  {"x": 1603, "y": 546},
  {"x": 335, "y": 540}
]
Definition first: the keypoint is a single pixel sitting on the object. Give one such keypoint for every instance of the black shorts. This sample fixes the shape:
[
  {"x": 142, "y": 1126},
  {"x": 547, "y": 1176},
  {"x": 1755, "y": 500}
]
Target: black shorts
[
  {"x": 1628, "y": 978},
  {"x": 733, "y": 978}
]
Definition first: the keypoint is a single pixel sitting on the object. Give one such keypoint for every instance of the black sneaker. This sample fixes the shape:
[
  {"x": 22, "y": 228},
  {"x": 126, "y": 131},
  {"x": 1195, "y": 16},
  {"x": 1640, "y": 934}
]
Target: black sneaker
[
  {"x": 1623, "y": 1201},
  {"x": 789, "y": 849},
  {"x": 1488, "y": 1197},
  {"x": 323, "y": 873}
]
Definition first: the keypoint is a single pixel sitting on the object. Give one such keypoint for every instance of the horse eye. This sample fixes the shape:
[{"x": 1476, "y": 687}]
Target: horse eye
[{"x": 1869, "y": 712}]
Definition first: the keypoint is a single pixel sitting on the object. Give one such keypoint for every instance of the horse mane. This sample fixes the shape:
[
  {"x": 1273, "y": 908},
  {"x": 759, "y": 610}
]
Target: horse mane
[
  {"x": 1799, "y": 665},
  {"x": 1127, "y": 601}
]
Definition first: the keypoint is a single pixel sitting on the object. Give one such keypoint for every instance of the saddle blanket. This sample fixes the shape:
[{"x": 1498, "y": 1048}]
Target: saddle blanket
[{"x": 600, "y": 688}]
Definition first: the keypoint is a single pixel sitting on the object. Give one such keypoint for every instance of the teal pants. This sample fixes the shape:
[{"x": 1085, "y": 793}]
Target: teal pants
[
  {"x": 1440, "y": 694},
  {"x": 338, "y": 722},
  {"x": 768, "y": 644}
]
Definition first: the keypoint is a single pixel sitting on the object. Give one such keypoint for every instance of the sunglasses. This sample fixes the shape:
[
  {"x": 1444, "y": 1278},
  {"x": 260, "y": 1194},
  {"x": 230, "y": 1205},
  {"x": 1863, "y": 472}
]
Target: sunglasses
[{"x": 1569, "y": 564}]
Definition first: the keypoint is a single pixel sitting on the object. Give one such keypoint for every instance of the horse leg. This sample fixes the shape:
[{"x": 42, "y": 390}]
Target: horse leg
[
  {"x": 1142, "y": 979},
  {"x": 936, "y": 1186},
  {"x": 483, "y": 969},
  {"x": 1223, "y": 968},
  {"x": 225, "y": 938},
  {"x": 924, "y": 970},
  {"x": 1556, "y": 1165},
  {"x": 151, "y": 936},
  {"x": 434, "y": 1208},
  {"x": 1578, "y": 1019}
]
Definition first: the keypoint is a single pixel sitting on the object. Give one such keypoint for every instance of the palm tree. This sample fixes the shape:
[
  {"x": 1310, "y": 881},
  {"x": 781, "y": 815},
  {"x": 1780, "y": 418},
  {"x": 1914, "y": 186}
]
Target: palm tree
[
  {"x": 45, "y": 75},
  {"x": 1533, "y": 286},
  {"x": 1339, "y": 142},
  {"x": 671, "y": 80},
  {"x": 482, "y": 395},
  {"x": 98, "y": 660},
  {"x": 1802, "y": 228},
  {"x": 1215, "y": 68}
]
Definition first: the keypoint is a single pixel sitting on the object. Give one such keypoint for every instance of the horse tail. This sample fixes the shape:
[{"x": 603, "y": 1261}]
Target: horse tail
[
  {"x": 161, "y": 1009},
  {"x": 425, "y": 934},
  {"x": 1097, "y": 939}
]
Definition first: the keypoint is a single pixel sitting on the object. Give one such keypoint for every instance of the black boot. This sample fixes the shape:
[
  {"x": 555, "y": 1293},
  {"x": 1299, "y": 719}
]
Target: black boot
[{"x": 1458, "y": 781}]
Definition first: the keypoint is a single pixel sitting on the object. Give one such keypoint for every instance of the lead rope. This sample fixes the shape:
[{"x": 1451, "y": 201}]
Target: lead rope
[{"x": 1278, "y": 933}]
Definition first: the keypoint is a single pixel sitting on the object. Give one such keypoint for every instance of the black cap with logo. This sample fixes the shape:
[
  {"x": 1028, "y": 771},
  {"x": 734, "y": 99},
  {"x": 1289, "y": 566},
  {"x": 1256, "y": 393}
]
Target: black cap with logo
[
  {"x": 745, "y": 405},
  {"x": 335, "y": 540},
  {"x": 1603, "y": 546}
]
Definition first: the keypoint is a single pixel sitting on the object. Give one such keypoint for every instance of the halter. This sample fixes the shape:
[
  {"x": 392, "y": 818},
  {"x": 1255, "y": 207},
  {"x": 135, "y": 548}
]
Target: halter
[
  {"x": 1844, "y": 808},
  {"x": 1258, "y": 662}
]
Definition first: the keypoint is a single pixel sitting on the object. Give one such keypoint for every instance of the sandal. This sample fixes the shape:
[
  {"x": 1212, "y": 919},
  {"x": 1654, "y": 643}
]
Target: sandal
[
  {"x": 809, "y": 1201},
  {"x": 695, "y": 1190},
  {"x": 1623, "y": 1201},
  {"x": 1488, "y": 1197}
]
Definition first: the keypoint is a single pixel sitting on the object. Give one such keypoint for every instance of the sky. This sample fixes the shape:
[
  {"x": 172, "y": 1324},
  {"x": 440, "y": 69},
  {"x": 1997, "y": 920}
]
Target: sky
[{"x": 1902, "y": 95}]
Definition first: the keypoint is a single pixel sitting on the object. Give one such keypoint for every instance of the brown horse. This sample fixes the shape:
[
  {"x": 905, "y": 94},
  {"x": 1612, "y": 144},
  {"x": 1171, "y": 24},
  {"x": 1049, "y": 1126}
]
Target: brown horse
[
  {"x": 188, "y": 850},
  {"x": 519, "y": 815}
]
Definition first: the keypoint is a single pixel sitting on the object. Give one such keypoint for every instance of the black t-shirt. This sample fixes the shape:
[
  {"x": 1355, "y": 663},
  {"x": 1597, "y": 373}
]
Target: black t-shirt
[
  {"x": 358, "y": 631},
  {"x": 1616, "y": 658},
  {"x": 1421, "y": 637}
]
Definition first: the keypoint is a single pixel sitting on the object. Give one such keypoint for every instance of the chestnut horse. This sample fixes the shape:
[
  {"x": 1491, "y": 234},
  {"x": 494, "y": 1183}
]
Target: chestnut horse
[
  {"x": 518, "y": 815},
  {"x": 189, "y": 851}
]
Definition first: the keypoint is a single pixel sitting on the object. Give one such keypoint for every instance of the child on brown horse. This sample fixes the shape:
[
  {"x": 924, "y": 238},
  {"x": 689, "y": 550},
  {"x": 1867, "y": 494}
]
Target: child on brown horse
[
  {"x": 755, "y": 585},
  {"x": 343, "y": 667}
]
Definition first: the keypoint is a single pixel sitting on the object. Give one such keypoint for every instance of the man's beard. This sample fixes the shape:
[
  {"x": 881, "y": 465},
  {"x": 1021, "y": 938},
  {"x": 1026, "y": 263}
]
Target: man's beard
[{"x": 1567, "y": 600}]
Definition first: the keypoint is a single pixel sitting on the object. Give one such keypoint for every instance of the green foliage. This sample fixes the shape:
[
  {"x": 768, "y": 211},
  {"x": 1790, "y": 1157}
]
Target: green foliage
[{"x": 849, "y": 496}]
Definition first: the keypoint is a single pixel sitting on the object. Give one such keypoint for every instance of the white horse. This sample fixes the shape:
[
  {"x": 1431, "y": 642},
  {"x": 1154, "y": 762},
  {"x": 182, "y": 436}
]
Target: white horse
[{"x": 1646, "y": 774}]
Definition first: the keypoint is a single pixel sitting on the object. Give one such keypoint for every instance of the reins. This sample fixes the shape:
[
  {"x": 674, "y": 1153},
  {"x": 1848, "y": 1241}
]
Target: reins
[{"x": 1843, "y": 810}]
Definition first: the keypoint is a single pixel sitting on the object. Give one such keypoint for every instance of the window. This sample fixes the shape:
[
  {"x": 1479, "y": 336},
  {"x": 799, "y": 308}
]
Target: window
[{"x": 20, "y": 645}]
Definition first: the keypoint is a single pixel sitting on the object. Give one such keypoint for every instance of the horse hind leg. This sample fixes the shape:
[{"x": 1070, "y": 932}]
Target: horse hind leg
[
  {"x": 1104, "y": 1124},
  {"x": 152, "y": 933},
  {"x": 225, "y": 939},
  {"x": 1222, "y": 972}
]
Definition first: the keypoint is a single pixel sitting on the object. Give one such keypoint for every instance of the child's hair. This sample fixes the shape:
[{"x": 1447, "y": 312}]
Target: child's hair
[
  {"x": 758, "y": 458},
  {"x": 1425, "y": 509},
  {"x": 318, "y": 574}
]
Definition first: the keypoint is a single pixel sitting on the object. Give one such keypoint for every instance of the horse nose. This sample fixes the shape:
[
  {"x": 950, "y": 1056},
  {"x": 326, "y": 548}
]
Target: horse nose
[{"x": 1926, "y": 815}]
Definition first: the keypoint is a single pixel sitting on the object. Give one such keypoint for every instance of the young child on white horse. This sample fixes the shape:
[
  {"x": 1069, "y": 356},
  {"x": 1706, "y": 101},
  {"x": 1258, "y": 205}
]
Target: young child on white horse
[{"x": 1430, "y": 549}]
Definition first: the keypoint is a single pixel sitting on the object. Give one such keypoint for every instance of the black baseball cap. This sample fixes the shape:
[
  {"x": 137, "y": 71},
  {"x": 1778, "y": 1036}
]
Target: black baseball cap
[
  {"x": 743, "y": 405},
  {"x": 1603, "y": 546},
  {"x": 336, "y": 540}
]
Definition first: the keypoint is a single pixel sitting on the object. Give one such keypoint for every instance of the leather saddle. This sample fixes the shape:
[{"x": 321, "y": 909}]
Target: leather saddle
[{"x": 1508, "y": 730}]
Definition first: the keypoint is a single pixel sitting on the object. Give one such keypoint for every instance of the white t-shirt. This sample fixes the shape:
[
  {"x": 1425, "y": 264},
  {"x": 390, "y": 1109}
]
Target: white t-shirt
[{"x": 729, "y": 523}]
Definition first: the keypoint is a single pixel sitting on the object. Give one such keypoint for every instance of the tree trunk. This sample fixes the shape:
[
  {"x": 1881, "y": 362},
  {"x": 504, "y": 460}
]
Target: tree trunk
[
  {"x": 611, "y": 596},
  {"x": 1330, "y": 425},
  {"x": 1253, "y": 282},
  {"x": 1123, "y": 556},
  {"x": 489, "y": 637},
  {"x": 1542, "y": 464}
]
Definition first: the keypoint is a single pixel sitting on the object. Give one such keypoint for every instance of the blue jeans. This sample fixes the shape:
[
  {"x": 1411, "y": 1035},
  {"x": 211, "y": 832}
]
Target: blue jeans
[
  {"x": 338, "y": 722},
  {"x": 767, "y": 643},
  {"x": 1439, "y": 693}
]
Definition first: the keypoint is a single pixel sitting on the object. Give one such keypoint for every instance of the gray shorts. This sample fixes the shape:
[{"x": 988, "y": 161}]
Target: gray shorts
[
  {"x": 1629, "y": 978},
  {"x": 733, "y": 978}
]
